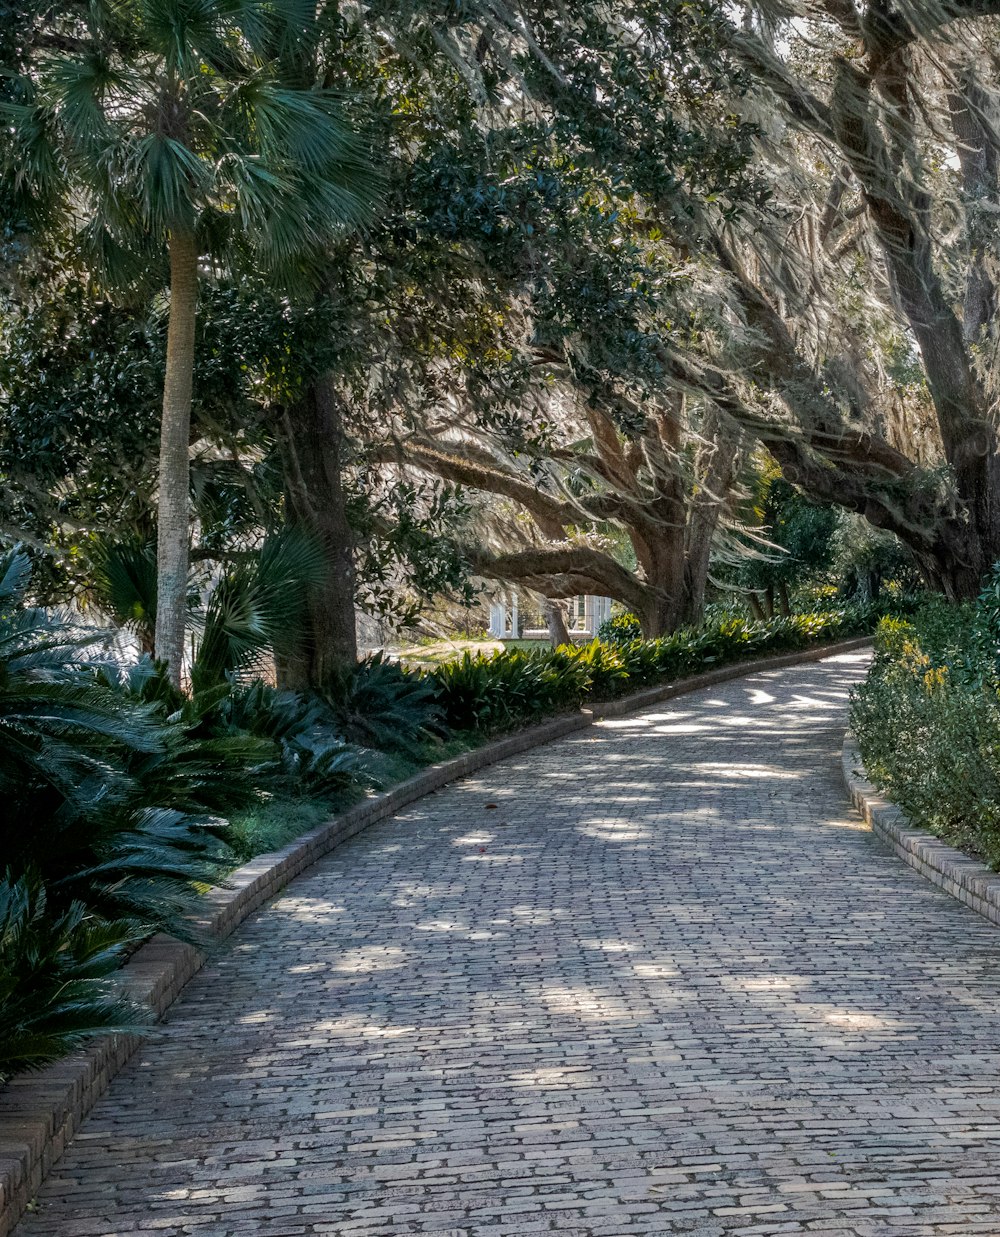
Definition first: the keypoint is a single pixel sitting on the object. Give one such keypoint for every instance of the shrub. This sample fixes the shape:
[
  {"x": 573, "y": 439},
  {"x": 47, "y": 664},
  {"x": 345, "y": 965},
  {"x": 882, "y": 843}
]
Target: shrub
[
  {"x": 91, "y": 774},
  {"x": 120, "y": 785},
  {"x": 308, "y": 758},
  {"x": 515, "y": 686},
  {"x": 55, "y": 985},
  {"x": 642, "y": 662},
  {"x": 927, "y": 720},
  {"x": 380, "y": 703},
  {"x": 620, "y": 629},
  {"x": 603, "y": 668},
  {"x": 510, "y": 688}
]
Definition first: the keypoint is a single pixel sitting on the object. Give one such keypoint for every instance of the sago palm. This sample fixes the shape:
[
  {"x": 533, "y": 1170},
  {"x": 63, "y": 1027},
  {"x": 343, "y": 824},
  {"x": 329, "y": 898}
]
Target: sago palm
[
  {"x": 60, "y": 730},
  {"x": 56, "y": 989},
  {"x": 178, "y": 128}
]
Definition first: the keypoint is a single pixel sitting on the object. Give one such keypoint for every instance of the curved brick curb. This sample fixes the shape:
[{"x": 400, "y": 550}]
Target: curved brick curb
[
  {"x": 966, "y": 879},
  {"x": 39, "y": 1113}
]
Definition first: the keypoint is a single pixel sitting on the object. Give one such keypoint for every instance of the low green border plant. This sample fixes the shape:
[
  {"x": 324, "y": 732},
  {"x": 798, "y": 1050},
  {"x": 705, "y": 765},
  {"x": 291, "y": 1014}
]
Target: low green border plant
[
  {"x": 510, "y": 688},
  {"x": 927, "y": 719}
]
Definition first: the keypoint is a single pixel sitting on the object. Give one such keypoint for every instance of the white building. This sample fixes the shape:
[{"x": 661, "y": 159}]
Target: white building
[{"x": 511, "y": 619}]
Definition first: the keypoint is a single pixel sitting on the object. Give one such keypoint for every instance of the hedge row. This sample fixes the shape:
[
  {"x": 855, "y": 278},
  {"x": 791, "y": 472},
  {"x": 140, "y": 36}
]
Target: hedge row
[
  {"x": 515, "y": 687},
  {"x": 927, "y": 720}
]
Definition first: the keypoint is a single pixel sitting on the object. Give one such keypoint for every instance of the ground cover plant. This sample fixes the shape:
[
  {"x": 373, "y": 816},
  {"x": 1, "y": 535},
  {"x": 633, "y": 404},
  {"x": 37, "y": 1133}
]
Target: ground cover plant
[
  {"x": 927, "y": 719},
  {"x": 124, "y": 798}
]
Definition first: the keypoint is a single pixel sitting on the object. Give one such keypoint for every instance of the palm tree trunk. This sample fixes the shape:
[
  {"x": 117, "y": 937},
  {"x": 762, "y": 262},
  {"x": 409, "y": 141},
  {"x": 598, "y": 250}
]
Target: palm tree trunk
[{"x": 173, "y": 512}]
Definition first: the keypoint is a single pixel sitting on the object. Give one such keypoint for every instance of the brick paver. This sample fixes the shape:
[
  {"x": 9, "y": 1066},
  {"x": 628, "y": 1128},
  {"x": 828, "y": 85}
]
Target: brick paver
[{"x": 654, "y": 978}]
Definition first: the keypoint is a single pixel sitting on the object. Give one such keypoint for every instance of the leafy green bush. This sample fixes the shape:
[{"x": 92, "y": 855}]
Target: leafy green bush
[
  {"x": 90, "y": 775},
  {"x": 620, "y": 629},
  {"x": 306, "y": 755},
  {"x": 517, "y": 686},
  {"x": 927, "y": 720},
  {"x": 509, "y": 688},
  {"x": 99, "y": 844},
  {"x": 605, "y": 667}
]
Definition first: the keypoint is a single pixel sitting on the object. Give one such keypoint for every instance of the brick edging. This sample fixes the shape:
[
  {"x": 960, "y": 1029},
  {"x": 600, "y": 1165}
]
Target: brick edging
[
  {"x": 39, "y": 1113},
  {"x": 966, "y": 879}
]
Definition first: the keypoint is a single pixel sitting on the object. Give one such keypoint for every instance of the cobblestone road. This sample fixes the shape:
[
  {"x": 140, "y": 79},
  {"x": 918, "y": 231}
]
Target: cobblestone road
[{"x": 651, "y": 979}]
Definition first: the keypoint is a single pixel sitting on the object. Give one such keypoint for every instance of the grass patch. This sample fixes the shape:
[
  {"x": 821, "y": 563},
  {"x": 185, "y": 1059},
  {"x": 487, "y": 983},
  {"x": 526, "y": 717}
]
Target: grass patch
[{"x": 269, "y": 826}]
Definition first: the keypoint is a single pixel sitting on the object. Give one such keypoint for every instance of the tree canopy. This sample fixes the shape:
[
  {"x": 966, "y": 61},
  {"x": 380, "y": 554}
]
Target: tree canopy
[{"x": 615, "y": 253}]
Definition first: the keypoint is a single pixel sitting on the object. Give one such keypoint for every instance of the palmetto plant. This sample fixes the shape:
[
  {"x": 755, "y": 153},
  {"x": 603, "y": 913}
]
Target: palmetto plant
[
  {"x": 58, "y": 727},
  {"x": 185, "y": 126},
  {"x": 257, "y": 606},
  {"x": 123, "y": 584}
]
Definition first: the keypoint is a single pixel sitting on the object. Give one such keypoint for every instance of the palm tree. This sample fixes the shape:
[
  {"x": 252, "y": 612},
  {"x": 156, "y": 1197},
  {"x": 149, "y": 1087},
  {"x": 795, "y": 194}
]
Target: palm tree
[{"x": 171, "y": 129}]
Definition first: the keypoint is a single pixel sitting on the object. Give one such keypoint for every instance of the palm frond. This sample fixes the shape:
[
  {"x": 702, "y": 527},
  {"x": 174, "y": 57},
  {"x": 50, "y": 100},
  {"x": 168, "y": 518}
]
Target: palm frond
[
  {"x": 258, "y": 605},
  {"x": 123, "y": 584}
]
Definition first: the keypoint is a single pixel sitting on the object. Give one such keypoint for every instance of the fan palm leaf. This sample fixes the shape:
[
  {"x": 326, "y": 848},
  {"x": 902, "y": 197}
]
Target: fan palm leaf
[
  {"x": 123, "y": 585},
  {"x": 258, "y": 605}
]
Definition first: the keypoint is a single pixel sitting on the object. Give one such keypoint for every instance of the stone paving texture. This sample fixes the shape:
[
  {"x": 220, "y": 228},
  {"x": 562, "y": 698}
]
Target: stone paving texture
[{"x": 654, "y": 978}]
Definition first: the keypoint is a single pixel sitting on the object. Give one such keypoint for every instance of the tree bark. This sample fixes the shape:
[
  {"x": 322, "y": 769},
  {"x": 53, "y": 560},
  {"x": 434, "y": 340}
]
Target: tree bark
[
  {"x": 670, "y": 527},
  {"x": 314, "y": 456},
  {"x": 665, "y": 609},
  {"x": 173, "y": 507},
  {"x": 555, "y": 616}
]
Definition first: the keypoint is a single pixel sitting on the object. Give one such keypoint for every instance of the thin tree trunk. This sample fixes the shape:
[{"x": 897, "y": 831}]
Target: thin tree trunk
[
  {"x": 173, "y": 509},
  {"x": 783, "y": 599},
  {"x": 753, "y": 601},
  {"x": 314, "y": 458},
  {"x": 555, "y": 616}
]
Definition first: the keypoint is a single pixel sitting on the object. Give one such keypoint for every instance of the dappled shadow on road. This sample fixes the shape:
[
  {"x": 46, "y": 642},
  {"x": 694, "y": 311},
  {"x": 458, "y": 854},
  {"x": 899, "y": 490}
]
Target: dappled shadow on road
[{"x": 655, "y": 973}]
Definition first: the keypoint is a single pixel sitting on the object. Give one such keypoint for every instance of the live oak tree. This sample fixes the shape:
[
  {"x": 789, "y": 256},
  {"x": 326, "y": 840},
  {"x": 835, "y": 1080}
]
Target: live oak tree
[
  {"x": 512, "y": 269},
  {"x": 170, "y": 129},
  {"x": 844, "y": 239},
  {"x": 852, "y": 306},
  {"x": 868, "y": 298},
  {"x": 670, "y": 492}
]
